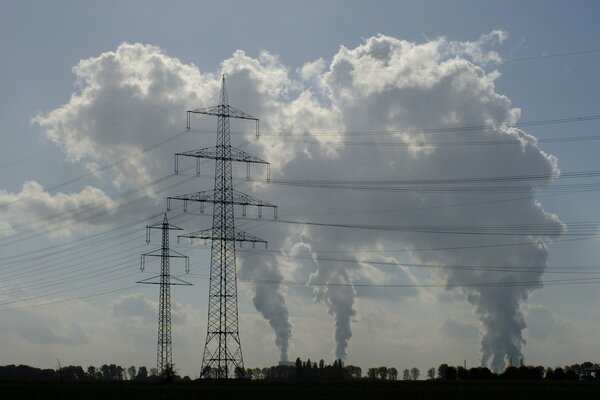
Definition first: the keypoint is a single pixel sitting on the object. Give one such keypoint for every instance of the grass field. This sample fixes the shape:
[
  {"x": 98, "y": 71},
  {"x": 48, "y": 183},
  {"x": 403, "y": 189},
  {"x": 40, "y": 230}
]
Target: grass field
[{"x": 564, "y": 390}]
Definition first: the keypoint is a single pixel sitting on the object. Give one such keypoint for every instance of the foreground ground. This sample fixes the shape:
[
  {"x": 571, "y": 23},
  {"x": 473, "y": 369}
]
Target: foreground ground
[{"x": 363, "y": 389}]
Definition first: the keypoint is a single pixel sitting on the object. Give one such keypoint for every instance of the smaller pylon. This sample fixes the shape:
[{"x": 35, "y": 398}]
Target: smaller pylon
[{"x": 164, "y": 357}]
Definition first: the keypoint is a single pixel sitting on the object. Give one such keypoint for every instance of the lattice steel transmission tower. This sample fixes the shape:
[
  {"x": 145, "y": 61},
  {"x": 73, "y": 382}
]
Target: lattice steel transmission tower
[
  {"x": 223, "y": 351},
  {"x": 164, "y": 357}
]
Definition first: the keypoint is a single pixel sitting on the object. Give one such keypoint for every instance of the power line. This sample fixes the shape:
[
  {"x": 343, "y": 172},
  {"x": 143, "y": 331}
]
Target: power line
[
  {"x": 561, "y": 282},
  {"x": 84, "y": 211},
  {"x": 456, "y": 129},
  {"x": 552, "y": 55},
  {"x": 27, "y": 158},
  {"x": 424, "y": 144},
  {"x": 102, "y": 168},
  {"x": 434, "y": 185},
  {"x": 69, "y": 300},
  {"x": 563, "y": 270},
  {"x": 96, "y": 283},
  {"x": 87, "y": 212},
  {"x": 41, "y": 268},
  {"x": 531, "y": 283},
  {"x": 581, "y": 229},
  {"x": 437, "y": 181}
]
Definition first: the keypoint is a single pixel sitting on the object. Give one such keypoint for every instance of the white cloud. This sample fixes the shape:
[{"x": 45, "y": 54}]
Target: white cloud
[
  {"x": 480, "y": 51},
  {"x": 58, "y": 214},
  {"x": 128, "y": 99},
  {"x": 553, "y": 337},
  {"x": 136, "y": 305},
  {"x": 40, "y": 329},
  {"x": 313, "y": 69}
]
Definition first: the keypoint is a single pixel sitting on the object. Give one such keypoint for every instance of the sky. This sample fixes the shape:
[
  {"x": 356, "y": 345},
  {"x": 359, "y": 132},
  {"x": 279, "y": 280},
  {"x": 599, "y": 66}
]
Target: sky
[{"x": 434, "y": 167}]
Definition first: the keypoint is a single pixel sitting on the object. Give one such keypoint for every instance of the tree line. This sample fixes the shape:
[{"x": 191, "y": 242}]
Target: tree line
[
  {"x": 308, "y": 370},
  {"x": 586, "y": 370},
  {"x": 74, "y": 373},
  {"x": 302, "y": 370}
]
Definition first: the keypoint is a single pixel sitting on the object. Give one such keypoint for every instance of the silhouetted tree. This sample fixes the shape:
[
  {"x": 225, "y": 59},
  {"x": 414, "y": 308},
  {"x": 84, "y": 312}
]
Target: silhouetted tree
[
  {"x": 537, "y": 372},
  {"x": 415, "y": 373},
  {"x": 119, "y": 373},
  {"x": 571, "y": 374},
  {"x": 523, "y": 372},
  {"x": 372, "y": 373},
  {"x": 111, "y": 372},
  {"x": 451, "y": 373},
  {"x": 298, "y": 365},
  {"x": 479, "y": 373},
  {"x": 393, "y": 373},
  {"x": 559, "y": 374},
  {"x": 442, "y": 371},
  {"x": 510, "y": 373},
  {"x": 92, "y": 373},
  {"x": 26, "y": 373},
  {"x": 431, "y": 373},
  {"x": 72, "y": 373},
  {"x": 447, "y": 372},
  {"x": 485, "y": 373},
  {"x": 406, "y": 375},
  {"x": 354, "y": 371},
  {"x": 131, "y": 372},
  {"x": 382, "y": 372},
  {"x": 587, "y": 365},
  {"x": 142, "y": 374}
]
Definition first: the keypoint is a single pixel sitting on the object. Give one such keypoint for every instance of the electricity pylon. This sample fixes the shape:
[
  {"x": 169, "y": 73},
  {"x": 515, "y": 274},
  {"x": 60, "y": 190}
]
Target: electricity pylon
[
  {"x": 164, "y": 357},
  {"x": 223, "y": 351}
]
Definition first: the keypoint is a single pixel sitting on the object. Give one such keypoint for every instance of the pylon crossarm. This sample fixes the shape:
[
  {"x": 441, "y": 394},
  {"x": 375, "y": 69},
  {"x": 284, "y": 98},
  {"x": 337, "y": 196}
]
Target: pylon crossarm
[
  {"x": 176, "y": 254},
  {"x": 216, "y": 153},
  {"x": 213, "y": 153},
  {"x": 208, "y": 196},
  {"x": 156, "y": 280},
  {"x": 168, "y": 227},
  {"x": 203, "y": 234},
  {"x": 153, "y": 253},
  {"x": 215, "y": 234},
  {"x": 244, "y": 199},
  {"x": 180, "y": 282},
  {"x": 202, "y": 197},
  {"x": 205, "y": 196},
  {"x": 241, "y": 236},
  {"x": 223, "y": 110},
  {"x": 163, "y": 226}
]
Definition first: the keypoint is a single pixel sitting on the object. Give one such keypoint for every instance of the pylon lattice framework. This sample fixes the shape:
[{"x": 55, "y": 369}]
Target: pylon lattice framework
[
  {"x": 222, "y": 356},
  {"x": 164, "y": 355}
]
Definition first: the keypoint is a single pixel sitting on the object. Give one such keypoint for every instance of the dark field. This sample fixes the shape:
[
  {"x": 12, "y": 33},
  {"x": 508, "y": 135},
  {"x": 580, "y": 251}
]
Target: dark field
[{"x": 364, "y": 389}]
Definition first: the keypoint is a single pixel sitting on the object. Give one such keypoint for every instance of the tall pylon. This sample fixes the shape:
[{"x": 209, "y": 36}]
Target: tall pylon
[
  {"x": 164, "y": 354},
  {"x": 222, "y": 357}
]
